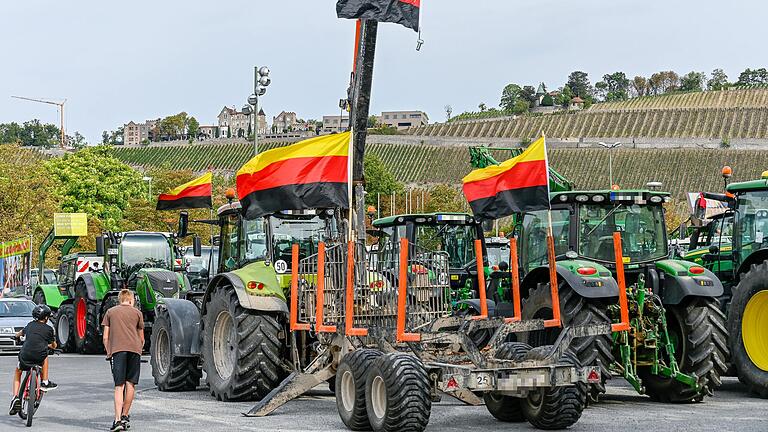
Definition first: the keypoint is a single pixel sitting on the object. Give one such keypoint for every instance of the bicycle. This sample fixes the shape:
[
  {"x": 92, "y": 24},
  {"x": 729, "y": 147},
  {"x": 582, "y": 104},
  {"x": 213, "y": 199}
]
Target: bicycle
[{"x": 30, "y": 391}]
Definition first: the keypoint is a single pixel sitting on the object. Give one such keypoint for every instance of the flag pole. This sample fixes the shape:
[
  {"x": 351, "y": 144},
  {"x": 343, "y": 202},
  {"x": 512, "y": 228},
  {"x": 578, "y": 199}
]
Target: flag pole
[
  {"x": 350, "y": 164},
  {"x": 555, "y": 321}
]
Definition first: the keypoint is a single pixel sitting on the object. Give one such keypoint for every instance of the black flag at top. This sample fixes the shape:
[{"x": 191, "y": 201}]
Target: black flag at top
[{"x": 405, "y": 12}]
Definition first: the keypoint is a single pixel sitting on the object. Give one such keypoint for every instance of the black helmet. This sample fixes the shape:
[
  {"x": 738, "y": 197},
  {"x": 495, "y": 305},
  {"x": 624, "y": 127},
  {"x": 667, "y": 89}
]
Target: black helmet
[{"x": 41, "y": 311}]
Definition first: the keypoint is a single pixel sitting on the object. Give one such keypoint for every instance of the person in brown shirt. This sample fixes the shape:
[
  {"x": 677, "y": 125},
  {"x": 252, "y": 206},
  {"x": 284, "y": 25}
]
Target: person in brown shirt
[{"x": 124, "y": 341}]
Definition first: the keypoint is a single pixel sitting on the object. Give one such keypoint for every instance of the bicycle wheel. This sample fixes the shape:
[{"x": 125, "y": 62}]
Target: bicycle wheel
[
  {"x": 32, "y": 390},
  {"x": 23, "y": 396}
]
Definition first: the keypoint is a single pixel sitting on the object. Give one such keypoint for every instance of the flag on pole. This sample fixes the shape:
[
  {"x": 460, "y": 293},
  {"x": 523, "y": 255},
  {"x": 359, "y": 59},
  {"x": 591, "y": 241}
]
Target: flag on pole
[
  {"x": 193, "y": 194},
  {"x": 310, "y": 174},
  {"x": 404, "y": 12},
  {"x": 517, "y": 185}
]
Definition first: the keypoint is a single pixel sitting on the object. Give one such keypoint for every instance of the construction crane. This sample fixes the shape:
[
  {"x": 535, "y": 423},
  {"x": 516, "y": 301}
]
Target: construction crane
[{"x": 60, "y": 105}]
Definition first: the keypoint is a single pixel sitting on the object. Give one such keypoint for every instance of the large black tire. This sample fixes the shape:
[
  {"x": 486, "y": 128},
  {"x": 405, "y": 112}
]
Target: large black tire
[
  {"x": 507, "y": 408},
  {"x": 397, "y": 394},
  {"x": 574, "y": 310},
  {"x": 698, "y": 327},
  {"x": 171, "y": 373},
  {"x": 556, "y": 407},
  {"x": 751, "y": 291},
  {"x": 242, "y": 349},
  {"x": 64, "y": 325},
  {"x": 350, "y": 386},
  {"x": 87, "y": 327}
]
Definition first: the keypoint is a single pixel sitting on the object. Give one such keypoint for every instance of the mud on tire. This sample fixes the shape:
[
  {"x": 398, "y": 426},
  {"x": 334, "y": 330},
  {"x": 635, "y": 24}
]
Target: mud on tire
[
  {"x": 702, "y": 349},
  {"x": 171, "y": 373},
  {"x": 507, "y": 408},
  {"x": 350, "y": 388},
  {"x": 574, "y": 310},
  {"x": 557, "y": 407},
  {"x": 242, "y": 349},
  {"x": 397, "y": 394}
]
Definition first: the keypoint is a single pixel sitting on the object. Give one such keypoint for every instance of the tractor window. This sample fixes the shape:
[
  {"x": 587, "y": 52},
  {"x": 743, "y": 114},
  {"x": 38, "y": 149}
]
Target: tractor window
[
  {"x": 254, "y": 248},
  {"x": 146, "y": 250},
  {"x": 388, "y": 247},
  {"x": 642, "y": 229},
  {"x": 497, "y": 252},
  {"x": 720, "y": 231},
  {"x": 228, "y": 248},
  {"x": 753, "y": 221},
  {"x": 534, "y": 236},
  {"x": 307, "y": 233}
]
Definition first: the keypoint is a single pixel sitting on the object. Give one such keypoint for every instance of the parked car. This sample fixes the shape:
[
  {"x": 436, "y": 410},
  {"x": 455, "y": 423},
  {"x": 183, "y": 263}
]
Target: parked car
[{"x": 15, "y": 314}]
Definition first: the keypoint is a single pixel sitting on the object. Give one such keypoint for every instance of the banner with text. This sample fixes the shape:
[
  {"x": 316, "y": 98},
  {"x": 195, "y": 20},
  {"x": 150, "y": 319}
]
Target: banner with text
[{"x": 15, "y": 266}]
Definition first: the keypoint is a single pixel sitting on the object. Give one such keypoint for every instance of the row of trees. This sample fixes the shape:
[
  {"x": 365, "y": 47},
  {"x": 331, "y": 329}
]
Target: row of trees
[{"x": 33, "y": 133}]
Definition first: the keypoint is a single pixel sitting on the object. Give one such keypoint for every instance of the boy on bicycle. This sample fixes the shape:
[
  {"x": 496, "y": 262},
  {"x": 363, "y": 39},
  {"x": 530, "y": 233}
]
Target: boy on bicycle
[{"x": 38, "y": 339}]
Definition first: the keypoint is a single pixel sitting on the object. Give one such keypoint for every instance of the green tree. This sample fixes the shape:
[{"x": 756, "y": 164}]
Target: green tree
[
  {"x": 753, "y": 77},
  {"x": 93, "y": 181},
  {"x": 509, "y": 97},
  {"x": 579, "y": 84},
  {"x": 521, "y": 107},
  {"x": 32, "y": 133},
  {"x": 193, "y": 128},
  {"x": 482, "y": 107},
  {"x": 718, "y": 80},
  {"x": 547, "y": 100},
  {"x": 640, "y": 86},
  {"x": 613, "y": 87},
  {"x": 105, "y": 138},
  {"x": 378, "y": 179},
  {"x": 693, "y": 81},
  {"x": 564, "y": 100},
  {"x": 664, "y": 82},
  {"x": 445, "y": 198},
  {"x": 528, "y": 94},
  {"x": 373, "y": 121}
]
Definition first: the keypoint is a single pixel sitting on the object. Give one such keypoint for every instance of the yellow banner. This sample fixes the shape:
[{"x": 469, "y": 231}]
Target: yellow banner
[
  {"x": 70, "y": 224},
  {"x": 15, "y": 247}
]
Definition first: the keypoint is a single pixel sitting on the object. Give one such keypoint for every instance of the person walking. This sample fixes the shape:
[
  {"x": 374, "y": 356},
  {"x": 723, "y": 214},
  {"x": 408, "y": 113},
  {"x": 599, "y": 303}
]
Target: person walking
[{"x": 124, "y": 341}]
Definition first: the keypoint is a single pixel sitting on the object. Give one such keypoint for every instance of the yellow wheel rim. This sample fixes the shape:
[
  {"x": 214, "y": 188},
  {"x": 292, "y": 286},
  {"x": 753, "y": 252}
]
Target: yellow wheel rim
[{"x": 754, "y": 329}]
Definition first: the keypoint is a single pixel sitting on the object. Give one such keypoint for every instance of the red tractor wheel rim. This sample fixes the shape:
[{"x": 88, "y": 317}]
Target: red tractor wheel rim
[{"x": 80, "y": 314}]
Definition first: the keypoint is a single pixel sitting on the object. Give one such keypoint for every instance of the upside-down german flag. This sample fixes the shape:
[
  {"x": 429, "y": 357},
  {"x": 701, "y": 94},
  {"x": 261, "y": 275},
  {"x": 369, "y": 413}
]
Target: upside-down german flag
[
  {"x": 193, "y": 194},
  {"x": 405, "y": 12},
  {"x": 310, "y": 174},
  {"x": 517, "y": 185}
]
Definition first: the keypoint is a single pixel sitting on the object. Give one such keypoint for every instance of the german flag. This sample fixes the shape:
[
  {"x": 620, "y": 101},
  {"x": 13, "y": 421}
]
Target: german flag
[
  {"x": 405, "y": 12},
  {"x": 307, "y": 175},
  {"x": 193, "y": 194},
  {"x": 517, "y": 185}
]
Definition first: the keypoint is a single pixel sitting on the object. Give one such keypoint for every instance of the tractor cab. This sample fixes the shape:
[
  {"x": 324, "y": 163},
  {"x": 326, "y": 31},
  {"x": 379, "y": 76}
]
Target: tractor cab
[{"x": 450, "y": 235}]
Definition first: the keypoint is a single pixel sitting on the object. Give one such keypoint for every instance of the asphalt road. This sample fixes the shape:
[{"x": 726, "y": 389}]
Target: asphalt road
[{"x": 83, "y": 401}]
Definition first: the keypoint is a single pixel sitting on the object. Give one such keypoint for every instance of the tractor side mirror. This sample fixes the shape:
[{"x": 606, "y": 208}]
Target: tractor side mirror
[
  {"x": 197, "y": 246},
  {"x": 183, "y": 224},
  {"x": 100, "y": 246},
  {"x": 714, "y": 250}
]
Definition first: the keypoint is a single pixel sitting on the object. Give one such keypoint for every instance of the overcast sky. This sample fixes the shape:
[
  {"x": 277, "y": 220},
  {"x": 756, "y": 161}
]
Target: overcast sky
[{"x": 139, "y": 59}]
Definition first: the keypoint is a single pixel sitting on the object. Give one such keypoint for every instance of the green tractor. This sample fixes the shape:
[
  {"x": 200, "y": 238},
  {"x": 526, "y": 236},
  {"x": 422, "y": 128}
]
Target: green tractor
[
  {"x": 240, "y": 333},
  {"x": 676, "y": 349},
  {"x": 144, "y": 262},
  {"x": 734, "y": 246}
]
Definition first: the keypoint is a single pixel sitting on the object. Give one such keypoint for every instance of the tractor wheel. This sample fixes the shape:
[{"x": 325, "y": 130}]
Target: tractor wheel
[
  {"x": 697, "y": 330},
  {"x": 87, "y": 334},
  {"x": 242, "y": 349},
  {"x": 397, "y": 394},
  {"x": 555, "y": 407},
  {"x": 747, "y": 324},
  {"x": 171, "y": 373},
  {"x": 64, "y": 323},
  {"x": 350, "y": 386},
  {"x": 507, "y": 408},
  {"x": 574, "y": 310}
]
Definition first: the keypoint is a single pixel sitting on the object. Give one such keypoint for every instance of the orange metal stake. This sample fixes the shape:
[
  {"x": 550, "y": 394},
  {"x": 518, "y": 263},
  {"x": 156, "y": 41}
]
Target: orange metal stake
[
  {"x": 481, "y": 281},
  {"x": 320, "y": 303},
  {"x": 349, "y": 328},
  {"x": 624, "y": 324},
  {"x": 555, "y": 321},
  {"x": 515, "y": 274},
  {"x": 402, "y": 292},
  {"x": 294, "y": 318}
]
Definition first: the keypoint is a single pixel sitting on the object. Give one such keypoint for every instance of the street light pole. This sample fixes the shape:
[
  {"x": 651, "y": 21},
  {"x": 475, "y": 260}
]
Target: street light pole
[
  {"x": 610, "y": 148},
  {"x": 261, "y": 81}
]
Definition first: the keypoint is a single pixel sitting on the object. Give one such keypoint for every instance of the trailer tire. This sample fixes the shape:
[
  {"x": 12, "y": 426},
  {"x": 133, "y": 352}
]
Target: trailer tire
[
  {"x": 350, "y": 385},
  {"x": 746, "y": 328},
  {"x": 87, "y": 335},
  {"x": 507, "y": 408},
  {"x": 171, "y": 373},
  {"x": 702, "y": 351},
  {"x": 64, "y": 324},
  {"x": 397, "y": 394},
  {"x": 574, "y": 310},
  {"x": 556, "y": 407},
  {"x": 242, "y": 349}
]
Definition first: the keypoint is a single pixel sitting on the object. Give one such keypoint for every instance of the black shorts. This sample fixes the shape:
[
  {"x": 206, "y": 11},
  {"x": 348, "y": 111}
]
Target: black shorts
[
  {"x": 26, "y": 364},
  {"x": 126, "y": 366}
]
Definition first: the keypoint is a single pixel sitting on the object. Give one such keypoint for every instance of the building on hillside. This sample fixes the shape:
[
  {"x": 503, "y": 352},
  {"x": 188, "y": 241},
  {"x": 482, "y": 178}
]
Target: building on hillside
[
  {"x": 404, "y": 119},
  {"x": 286, "y": 121},
  {"x": 207, "y": 132},
  {"x": 137, "y": 133},
  {"x": 577, "y": 103},
  {"x": 335, "y": 123},
  {"x": 541, "y": 91},
  {"x": 234, "y": 123}
]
